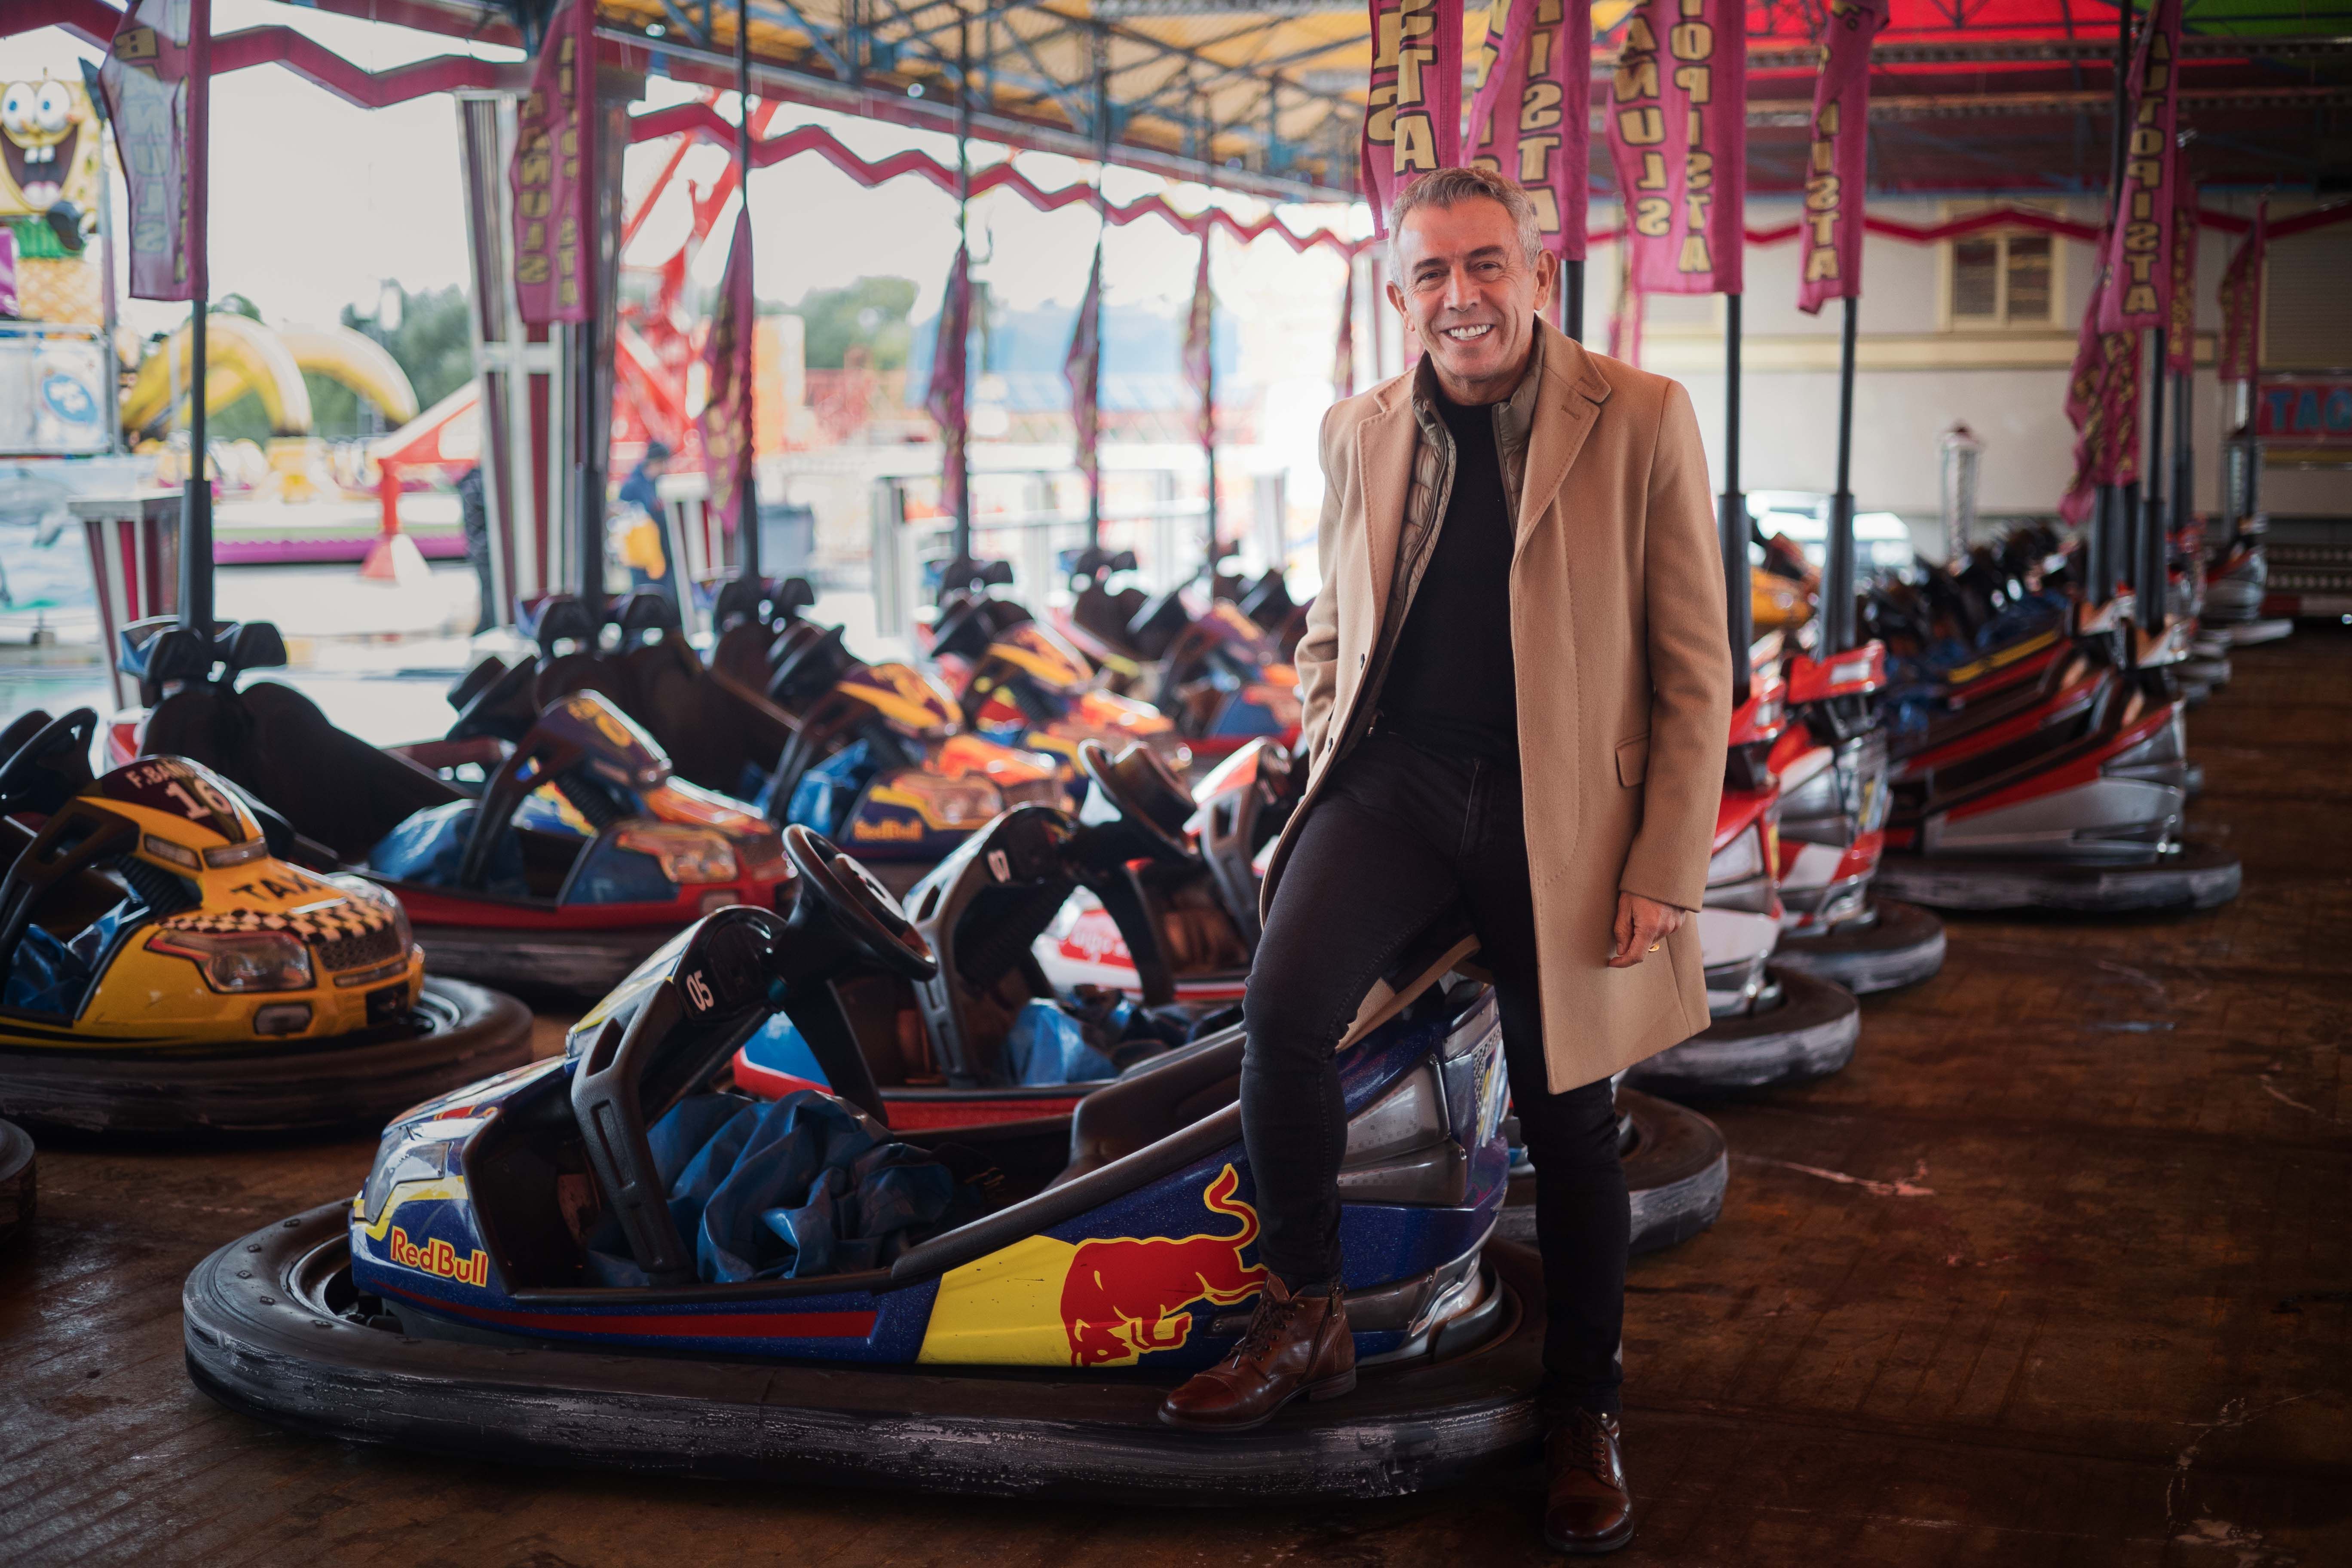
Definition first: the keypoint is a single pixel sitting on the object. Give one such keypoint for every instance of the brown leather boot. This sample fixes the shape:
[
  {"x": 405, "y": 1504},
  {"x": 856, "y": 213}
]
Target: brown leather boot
[
  {"x": 1296, "y": 1345},
  {"x": 1588, "y": 1508}
]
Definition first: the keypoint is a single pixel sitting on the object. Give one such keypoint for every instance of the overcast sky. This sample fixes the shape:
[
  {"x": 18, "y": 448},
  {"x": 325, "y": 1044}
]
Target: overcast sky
[{"x": 314, "y": 202}]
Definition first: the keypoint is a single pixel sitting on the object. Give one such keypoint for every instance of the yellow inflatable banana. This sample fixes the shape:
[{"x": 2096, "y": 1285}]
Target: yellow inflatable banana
[{"x": 241, "y": 356}]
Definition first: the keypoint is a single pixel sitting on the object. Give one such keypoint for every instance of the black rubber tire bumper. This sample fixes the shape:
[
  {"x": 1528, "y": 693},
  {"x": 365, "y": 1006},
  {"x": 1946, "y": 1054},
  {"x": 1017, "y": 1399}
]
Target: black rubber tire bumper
[
  {"x": 1676, "y": 1168},
  {"x": 1903, "y": 946},
  {"x": 299, "y": 1087},
  {"x": 2196, "y": 876},
  {"x": 1809, "y": 1035},
  {"x": 18, "y": 1183},
  {"x": 263, "y": 1337},
  {"x": 584, "y": 964}
]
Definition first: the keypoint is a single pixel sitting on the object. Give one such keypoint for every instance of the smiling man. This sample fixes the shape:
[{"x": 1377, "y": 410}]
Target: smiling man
[{"x": 1517, "y": 690}]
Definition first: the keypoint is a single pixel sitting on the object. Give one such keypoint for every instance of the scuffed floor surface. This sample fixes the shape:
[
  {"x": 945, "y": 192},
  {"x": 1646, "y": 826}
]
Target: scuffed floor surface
[{"x": 2054, "y": 1274}]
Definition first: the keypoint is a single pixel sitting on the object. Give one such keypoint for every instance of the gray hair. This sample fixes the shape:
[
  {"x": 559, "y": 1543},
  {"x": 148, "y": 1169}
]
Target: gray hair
[{"x": 1444, "y": 187}]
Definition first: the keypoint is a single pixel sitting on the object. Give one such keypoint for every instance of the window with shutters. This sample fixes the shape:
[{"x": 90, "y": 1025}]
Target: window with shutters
[{"x": 1999, "y": 279}]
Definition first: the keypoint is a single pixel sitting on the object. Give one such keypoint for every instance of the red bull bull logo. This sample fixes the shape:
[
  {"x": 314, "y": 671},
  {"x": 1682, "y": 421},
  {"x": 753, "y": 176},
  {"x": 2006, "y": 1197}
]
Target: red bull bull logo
[{"x": 1126, "y": 1295}]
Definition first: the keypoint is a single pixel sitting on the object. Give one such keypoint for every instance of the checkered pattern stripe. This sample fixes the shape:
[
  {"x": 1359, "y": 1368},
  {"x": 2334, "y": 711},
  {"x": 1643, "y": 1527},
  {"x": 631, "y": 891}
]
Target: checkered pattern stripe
[{"x": 351, "y": 917}]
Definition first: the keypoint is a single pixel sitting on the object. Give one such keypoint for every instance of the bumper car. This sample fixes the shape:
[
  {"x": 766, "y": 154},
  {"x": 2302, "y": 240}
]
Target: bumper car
[
  {"x": 166, "y": 970},
  {"x": 1268, "y": 604},
  {"x": 2047, "y": 773},
  {"x": 574, "y": 856},
  {"x": 1025, "y": 685},
  {"x": 2236, "y": 585},
  {"x": 1218, "y": 675},
  {"x": 875, "y": 756},
  {"x": 1828, "y": 767},
  {"x": 799, "y": 1292},
  {"x": 1773, "y": 1026}
]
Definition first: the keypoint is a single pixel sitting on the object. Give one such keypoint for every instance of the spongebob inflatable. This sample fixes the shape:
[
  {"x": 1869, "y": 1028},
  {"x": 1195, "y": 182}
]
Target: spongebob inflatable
[{"x": 50, "y": 148}]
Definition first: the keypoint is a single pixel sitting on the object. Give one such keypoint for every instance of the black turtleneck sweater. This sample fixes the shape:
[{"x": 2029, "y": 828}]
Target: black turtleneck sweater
[{"x": 1449, "y": 685}]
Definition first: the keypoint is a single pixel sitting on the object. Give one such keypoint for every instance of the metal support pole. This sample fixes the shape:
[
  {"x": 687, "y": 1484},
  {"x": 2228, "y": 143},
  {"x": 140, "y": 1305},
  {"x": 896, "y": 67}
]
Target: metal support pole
[
  {"x": 1571, "y": 300},
  {"x": 1731, "y": 512},
  {"x": 195, "y": 495},
  {"x": 2184, "y": 454},
  {"x": 2149, "y": 567},
  {"x": 2102, "y": 560},
  {"x": 1209, "y": 368},
  {"x": 960, "y": 537},
  {"x": 747, "y": 510},
  {"x": 1100, "y": 41},
  {"x": 1837, "y": 569}
]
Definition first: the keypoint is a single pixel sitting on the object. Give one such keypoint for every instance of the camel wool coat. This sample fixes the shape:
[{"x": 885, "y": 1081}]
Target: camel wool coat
[{"x": 1622, "y": 660}]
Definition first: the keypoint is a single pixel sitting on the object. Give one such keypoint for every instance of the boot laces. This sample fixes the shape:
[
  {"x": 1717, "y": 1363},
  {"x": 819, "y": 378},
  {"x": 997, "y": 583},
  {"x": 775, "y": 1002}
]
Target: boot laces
[
  {"x": 1267, "y": 1324},
  {"x": 1589, "y": 1443}
]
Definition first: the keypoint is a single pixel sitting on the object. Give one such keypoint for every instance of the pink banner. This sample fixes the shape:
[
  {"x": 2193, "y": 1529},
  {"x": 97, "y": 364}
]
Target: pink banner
[
  {"x": 157, "y": 79},
  {"x": 2180, "y": 333},
  {"x": 1412, "y": 115},
  {"x": 554, "y": 190},
  {"x": 1082, "y": 368},
  {"x": 2139, "y": 247},
  {"x": 1678, "y": 137},
  {"x": 945, "y": 403},
  {"x": 727, "y": 418},
  {"x": 2242, "y": 303},
  {"x": 1531, "y": 118},
  {"x": 1838, "y": 160},
  {"x": 2103, "y": 405},
  {"x": 1199, "y": 362},
  {"x": 8, "y": 306}
]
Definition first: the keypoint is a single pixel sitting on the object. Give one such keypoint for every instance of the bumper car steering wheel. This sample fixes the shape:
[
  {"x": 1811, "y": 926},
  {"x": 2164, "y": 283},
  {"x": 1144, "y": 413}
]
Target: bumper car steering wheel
[
  {"x": 861, "y": 908},
  {"x": 1145, "y": 792}
]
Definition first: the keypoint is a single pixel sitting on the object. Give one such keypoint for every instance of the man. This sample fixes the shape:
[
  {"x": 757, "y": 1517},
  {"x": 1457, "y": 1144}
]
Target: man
[
  {"x": 642, "y": 550},
  {"x": 474, "y": 518},
  {"x": 1517, "y": 690}
]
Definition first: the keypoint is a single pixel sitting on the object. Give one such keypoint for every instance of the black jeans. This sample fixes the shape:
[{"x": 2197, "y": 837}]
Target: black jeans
[{"x": 1398, "y": 836}]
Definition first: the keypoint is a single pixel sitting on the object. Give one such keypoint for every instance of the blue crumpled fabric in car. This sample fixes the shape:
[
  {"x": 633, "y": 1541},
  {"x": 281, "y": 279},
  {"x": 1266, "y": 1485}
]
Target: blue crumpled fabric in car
[
  {"x": 795, "y": 1188},
  {"x": 429, "y": 847},
  {"x": 52, "y": 976},
  {"x": 822, "y": 798},
  {"x": 1046, "y": 1045}
]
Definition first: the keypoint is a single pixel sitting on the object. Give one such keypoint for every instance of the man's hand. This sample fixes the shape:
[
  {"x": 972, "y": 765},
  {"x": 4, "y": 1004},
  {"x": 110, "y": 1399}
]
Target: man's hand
[{"x": 1642, "y": 924}]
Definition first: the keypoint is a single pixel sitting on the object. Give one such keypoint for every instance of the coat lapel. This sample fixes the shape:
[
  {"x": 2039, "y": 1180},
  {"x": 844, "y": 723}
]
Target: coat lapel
[
  {"x": 1384, "y": 449},
  {"x": 1567, "y": 408}
]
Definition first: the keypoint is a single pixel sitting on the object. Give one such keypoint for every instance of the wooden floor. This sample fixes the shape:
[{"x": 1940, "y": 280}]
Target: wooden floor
[{"x": 2055, "y": 1273}]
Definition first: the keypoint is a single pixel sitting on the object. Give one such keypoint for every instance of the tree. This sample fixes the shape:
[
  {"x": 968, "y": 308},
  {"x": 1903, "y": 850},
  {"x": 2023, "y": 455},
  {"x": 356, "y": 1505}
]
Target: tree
[
  {"x": 433, "y": 343},
  {"x": 871, "y": 315}
]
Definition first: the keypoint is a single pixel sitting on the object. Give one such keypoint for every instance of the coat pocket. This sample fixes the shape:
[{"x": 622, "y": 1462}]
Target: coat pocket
[{"x": 1634, "y": 761}]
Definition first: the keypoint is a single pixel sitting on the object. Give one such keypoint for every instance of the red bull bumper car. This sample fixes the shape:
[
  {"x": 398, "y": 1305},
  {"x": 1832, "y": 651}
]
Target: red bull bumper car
[
  {"x": 601, "y": 1260},
  {"x": 163, "y": 970}
]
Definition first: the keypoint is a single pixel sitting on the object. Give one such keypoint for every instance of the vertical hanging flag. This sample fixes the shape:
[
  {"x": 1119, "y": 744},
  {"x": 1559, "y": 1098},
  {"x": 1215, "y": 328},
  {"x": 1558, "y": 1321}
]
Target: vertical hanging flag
[
  {"x": 2138, "y": 253},
  {"x": 1200, "y": 368},
  {"x": 1678, "y": 137},
  {"x": 727, "y": 417},
  {"x": 2103, "y": 405},
  {"x": 2241, "y": 304},
  {"x": 2180, "y": 332},
  {"x": 1082, "y": 368},
  {"x": 1838, "y": 161},
  {"x": 1343, "y": 354},
  {"x": 946, "y": 402},
  {"x": 1412, "y": 115},
  {"x": 555, "y": 151},
  {"x": 158, "y": 88},
  {"x": 1531, "y": 118}
]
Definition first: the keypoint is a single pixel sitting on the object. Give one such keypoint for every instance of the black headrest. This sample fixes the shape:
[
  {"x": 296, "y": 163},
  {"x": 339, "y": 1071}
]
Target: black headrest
[
  {"x": 967, "y": 623},
  {"x": 810, "y": 666},
  {"x": 562, "y": 617},
  {"x": 647, "y": 610}
]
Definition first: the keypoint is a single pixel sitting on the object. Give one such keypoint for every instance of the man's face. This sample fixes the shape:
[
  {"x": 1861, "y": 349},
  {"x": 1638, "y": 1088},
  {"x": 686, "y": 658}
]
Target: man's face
[{"x": 1470, "y": 295}]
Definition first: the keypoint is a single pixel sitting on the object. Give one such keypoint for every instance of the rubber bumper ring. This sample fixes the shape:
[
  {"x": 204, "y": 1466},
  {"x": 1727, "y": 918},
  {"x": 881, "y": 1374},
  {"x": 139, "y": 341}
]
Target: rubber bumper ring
[
  {"x": 302, "y": 1087},
  {"x": 272, "y": 1346}
]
